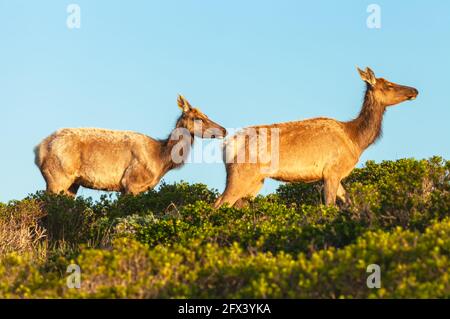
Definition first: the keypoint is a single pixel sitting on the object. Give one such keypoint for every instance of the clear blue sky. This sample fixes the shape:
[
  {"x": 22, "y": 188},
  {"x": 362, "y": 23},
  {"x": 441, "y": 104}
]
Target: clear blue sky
[{"x": 242, "y": 62}]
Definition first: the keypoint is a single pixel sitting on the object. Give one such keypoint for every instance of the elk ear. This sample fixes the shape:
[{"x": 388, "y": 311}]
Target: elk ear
[
  {"x": 183, "y": 104},
  {"x": 371, "y": 74},
  {"x": 368, "y": 76}
]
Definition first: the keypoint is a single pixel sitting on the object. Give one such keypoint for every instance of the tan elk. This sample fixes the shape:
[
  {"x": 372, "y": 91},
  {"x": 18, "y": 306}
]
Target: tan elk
[
  {"x": 315, "y": 149},
  {"x": 121, "y": 161}
]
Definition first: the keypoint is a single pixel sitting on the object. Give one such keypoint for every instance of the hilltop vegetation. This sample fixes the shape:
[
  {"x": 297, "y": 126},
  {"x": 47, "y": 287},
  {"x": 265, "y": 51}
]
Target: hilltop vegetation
[{"x": 170, "y": 242}]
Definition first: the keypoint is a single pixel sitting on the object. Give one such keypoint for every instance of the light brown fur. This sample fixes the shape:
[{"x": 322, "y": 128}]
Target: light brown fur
[
  {"x": 317, "y": 149},
  {"x": 109, "y": 160}
]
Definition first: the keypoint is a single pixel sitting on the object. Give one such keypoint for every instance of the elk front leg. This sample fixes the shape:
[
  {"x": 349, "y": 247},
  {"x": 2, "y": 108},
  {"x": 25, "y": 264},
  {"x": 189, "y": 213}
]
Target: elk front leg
[
  {"x": 331, "y": 190},
  {"x": 137, "y": 180}
]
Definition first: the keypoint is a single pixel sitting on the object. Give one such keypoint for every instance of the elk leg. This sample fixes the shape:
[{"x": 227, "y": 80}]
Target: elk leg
[
  {"x": 58, "y": 189},
  {"x": 59, "y": 184},
  {"x": 251, "y": 194},
  {"x": 331, "y": 188},
  {"x": 235, "y": 193},
  {"x": 230, "y": 194},
  {"x": 72, "y": 191},
  {"x": 137, "y": 180},
  {"x": 135, "y": 189},
  {"x": 342, "y": 194},
  {"x": 226, "y": 198}
]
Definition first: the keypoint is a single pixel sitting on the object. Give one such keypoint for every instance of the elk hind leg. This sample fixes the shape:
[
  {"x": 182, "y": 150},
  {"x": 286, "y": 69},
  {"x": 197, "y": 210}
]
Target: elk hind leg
[
  {"x": 57, "y": 180},
  {"x": 59, "y": 185},
  {"x": 236, "y": 192},
  {"x": 252, "y": 191}
]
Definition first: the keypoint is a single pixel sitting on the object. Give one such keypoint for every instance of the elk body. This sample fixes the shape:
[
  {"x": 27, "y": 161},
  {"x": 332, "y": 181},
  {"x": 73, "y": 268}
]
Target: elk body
[
  {"x": 316, "y": 149},
  {"x": 121, "y": 161}
]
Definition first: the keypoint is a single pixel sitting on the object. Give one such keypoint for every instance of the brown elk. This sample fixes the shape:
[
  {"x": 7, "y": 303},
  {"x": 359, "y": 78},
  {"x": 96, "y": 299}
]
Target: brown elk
[
  {"x": 122, "y": 161},
  {"x": 315, "y": 149}
]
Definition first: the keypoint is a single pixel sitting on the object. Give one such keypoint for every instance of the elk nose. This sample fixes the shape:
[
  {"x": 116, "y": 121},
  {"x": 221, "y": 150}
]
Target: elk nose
[{"x": 414, "y": 94}]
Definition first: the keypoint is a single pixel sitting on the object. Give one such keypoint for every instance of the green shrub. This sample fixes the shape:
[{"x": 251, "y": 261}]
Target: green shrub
[
  {"x": 266, "y": 226},
  {"x": 167, "y": 197},
  {"x": 74, "y": 221},
  {"x": 171, "y": 242},
  {"x": 406, "y": 192},
  {"x": 412, "y": 265},
  {"x": 22, "y": 277}
]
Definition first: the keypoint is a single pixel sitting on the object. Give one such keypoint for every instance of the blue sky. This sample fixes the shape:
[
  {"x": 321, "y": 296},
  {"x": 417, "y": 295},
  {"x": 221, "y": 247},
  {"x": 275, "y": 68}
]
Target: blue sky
[{"x": 243, "y": 62}]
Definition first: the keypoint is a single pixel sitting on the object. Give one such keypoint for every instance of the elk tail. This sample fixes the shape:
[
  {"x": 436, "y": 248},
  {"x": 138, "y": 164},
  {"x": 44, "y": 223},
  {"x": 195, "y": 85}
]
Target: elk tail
[{"x": 40, "y": 153}]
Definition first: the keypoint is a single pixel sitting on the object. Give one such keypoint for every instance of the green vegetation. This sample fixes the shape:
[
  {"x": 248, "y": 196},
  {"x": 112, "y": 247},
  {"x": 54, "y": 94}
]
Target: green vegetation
[{"x": 170, "y": 242}]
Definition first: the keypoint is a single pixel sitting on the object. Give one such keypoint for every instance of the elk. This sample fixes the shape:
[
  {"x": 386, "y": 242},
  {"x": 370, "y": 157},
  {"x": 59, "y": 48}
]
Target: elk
[
  {"x": 121, "y": 161},
  {"x": 314, "y": 149}
]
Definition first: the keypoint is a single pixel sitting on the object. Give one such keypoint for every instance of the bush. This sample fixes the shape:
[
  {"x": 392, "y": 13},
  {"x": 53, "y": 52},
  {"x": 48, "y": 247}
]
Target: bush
[
  {"x": 166, "y": 198},
  {"x": 73, "y": 221},
  {"x": 170, "y": 242},
  {"x": 20, "y": 230},
  {"x": 406, "y": 192},
  {"x": 266, "y": 226},
  {"x": 413, "y": 265}
]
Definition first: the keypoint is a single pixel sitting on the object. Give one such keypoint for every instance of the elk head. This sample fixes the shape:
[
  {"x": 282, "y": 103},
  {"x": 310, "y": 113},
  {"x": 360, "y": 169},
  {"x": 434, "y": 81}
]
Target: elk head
[
  {"x": 197, "y": 123},
  {"x": 385, "y": 92}
]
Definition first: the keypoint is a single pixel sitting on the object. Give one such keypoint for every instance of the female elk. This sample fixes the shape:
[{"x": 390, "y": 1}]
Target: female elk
[
  {"x": 120, "y": 161},
  {"x": 315, "y": 149}
]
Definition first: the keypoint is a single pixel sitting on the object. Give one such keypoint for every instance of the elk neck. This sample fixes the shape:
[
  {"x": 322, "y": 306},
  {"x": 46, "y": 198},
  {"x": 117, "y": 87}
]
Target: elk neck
[
  {"x": 367, "y": 127},
  {"x": 175, "y": 139}
]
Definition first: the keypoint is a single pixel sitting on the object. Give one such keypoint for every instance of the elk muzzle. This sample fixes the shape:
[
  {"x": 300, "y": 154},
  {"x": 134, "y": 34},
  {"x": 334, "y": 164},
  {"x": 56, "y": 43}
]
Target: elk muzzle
[{"x": 413, "y": 94}]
